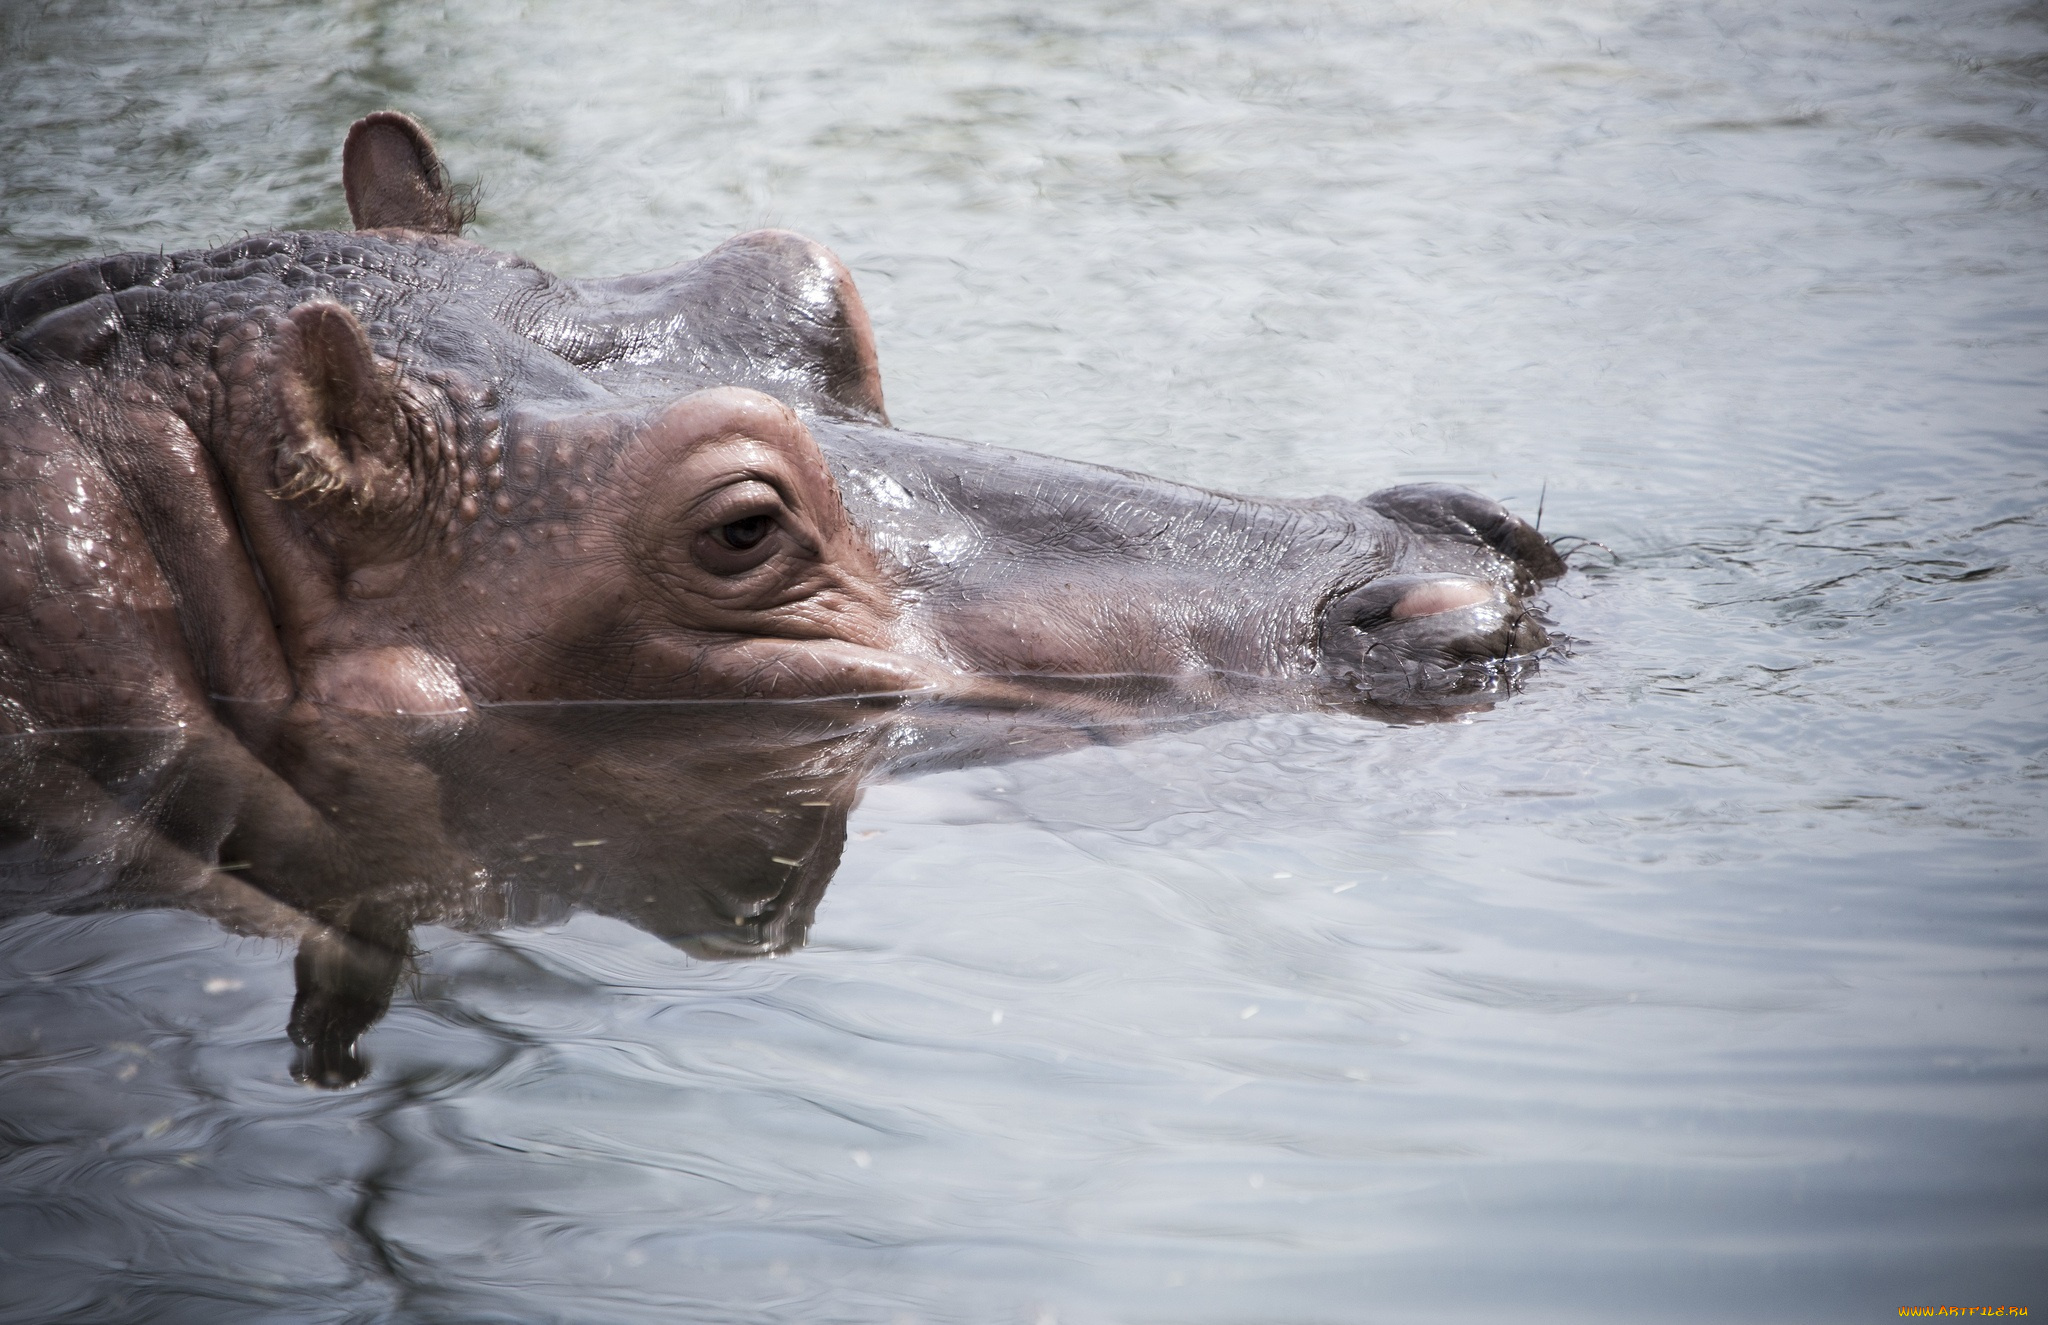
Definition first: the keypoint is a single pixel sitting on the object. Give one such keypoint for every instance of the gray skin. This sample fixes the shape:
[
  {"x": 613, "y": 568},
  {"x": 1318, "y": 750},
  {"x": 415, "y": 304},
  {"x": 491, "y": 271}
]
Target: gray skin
[
  {"x": 292, "y": 531},
  {"x": 395, "y": 471}
]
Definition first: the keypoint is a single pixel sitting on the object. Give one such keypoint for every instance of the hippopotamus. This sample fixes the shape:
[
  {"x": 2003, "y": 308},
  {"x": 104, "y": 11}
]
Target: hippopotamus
[
  {"x": 393, "y": 470},
  {"x": 308, "y": 541}
]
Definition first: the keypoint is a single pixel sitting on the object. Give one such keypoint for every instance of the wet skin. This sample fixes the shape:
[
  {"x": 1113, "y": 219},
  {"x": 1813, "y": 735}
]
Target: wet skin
[
  {"x": 395, "y": 471},
  {"x": 258, "y": 497}
]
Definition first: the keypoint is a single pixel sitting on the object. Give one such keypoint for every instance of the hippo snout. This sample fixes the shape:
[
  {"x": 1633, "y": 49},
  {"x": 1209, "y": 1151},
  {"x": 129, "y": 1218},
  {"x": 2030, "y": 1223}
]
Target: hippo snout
[
  {"x": 1414, "y": 636},
  {"x": 1454, "y": 614}
]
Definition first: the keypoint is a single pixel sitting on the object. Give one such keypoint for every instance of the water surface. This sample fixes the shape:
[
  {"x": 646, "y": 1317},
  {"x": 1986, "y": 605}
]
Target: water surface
[{"x": 1702, "y": 980}]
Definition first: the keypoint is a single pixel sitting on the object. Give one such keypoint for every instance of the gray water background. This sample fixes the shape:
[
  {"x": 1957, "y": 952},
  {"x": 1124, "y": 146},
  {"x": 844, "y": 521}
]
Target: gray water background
[{"x": 1702, "y": 981}]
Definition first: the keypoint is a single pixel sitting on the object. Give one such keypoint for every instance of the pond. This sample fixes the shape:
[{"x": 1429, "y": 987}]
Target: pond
[{"x": 1700, "y": 980}]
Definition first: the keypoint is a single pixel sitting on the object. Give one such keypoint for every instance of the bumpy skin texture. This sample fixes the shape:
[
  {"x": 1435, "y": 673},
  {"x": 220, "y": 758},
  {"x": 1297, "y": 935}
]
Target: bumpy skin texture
[{"x": 395, "y": 471}]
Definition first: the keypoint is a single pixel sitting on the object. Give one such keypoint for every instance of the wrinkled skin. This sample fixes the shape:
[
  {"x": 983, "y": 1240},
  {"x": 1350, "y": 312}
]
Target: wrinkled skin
[
  {"x": 261, "y": 499},
  {"x": 397, "y": 472}
]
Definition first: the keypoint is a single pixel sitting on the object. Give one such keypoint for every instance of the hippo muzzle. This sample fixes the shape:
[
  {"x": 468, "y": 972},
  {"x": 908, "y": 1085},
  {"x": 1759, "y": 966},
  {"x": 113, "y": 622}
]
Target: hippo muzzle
[
  {"x": 1421, "y": 636},
  {"x": 1463, "y": 625}
]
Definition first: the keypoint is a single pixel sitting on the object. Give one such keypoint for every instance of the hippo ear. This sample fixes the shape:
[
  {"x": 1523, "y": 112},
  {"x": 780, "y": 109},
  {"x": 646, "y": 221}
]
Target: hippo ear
[
  {"x": 344, "y": 429},
  {"x": 393, "y": 177}
]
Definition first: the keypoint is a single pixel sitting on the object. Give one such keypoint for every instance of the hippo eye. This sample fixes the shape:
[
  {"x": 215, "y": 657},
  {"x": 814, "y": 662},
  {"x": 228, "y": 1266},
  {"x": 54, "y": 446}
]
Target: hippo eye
[{"x": 743, "y": 534}]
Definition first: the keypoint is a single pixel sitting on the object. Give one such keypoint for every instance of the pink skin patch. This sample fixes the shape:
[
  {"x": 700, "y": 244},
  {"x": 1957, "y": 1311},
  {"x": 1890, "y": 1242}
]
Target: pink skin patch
[
  {"x": 392, "y": 680},
  {"x": 1441, "y": 596}
]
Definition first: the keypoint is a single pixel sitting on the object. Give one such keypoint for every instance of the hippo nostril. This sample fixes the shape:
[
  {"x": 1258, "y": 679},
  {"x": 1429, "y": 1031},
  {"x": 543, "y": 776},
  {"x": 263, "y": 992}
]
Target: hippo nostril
[
  {"x": 1407, "y": 598},
  {"x": 1440, "y": 596},
  {"x": 1429, "y": 634}
]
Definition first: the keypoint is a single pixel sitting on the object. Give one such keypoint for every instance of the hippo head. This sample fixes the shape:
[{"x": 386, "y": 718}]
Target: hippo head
[
  {"x": 558, "y": 492},
  {"x": 396, "y": 471}
]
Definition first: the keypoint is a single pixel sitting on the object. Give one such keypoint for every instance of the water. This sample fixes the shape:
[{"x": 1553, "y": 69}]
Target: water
[{"x": 1701, "y": 981}]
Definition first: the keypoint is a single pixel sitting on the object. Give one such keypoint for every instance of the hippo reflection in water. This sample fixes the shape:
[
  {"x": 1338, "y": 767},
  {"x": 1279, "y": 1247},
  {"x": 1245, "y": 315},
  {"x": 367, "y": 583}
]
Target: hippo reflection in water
[{"x": 292, "y": 533}]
